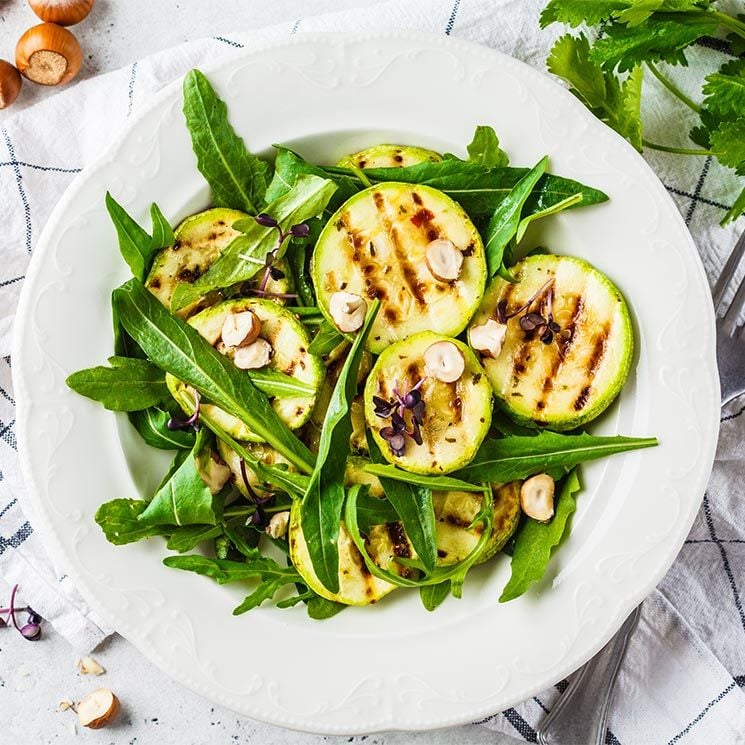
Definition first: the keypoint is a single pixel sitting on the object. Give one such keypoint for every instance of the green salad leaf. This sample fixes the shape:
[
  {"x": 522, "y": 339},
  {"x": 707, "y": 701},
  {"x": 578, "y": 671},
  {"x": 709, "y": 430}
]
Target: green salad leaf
[
  {"x": 242, "y": 537},
  {"x": 536, "y": 541},
  {"x": 177, "y": 348},
  {"x": 323, "y": 501},
  {"x": 320, "y": 608},
  {"x": 547, "y": 212},
  {"x": 119, "y": 520},
  {"x": 484, "y": 148},
  {"x": 129, "y": 384},
  {"x": 516, "y": 457},
  {"x": 135, "y": 243},
  {"x": 437, "y": 483},
  {"x": 326, "y": 339},
  {"x": 245, "y": 256},
  {"x": 188, "y": 537},
  {"x": 374, "y": 511},
  {"x": 152, "y": 425},
  {"x": 162, "y": 230},
  {"x": 433, "y": 595},
  {"x": 237, "y": 178}
]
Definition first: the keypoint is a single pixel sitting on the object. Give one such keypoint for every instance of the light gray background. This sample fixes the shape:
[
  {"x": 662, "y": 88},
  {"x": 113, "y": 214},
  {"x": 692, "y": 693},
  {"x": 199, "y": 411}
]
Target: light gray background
[{"x": 115, "y": 34}]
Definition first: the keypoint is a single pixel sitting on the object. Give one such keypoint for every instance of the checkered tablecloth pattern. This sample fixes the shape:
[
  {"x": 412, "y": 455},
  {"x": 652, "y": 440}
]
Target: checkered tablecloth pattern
[{"x": 685, "y": 673}]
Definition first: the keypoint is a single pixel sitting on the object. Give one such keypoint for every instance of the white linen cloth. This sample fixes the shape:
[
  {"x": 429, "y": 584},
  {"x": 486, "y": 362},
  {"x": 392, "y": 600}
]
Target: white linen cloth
[{"x": 684, "y": 676}]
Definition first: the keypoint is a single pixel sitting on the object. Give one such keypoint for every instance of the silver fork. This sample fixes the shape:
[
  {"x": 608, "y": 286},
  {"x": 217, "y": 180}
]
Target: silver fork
[{"x": 580, "y": 715}]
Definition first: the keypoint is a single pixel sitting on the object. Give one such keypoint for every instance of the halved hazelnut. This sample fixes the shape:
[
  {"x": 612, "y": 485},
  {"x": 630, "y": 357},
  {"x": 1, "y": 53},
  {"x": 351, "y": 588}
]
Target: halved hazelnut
[
  {"x": 48, "y": 54},
  {"x": 241, "y": 329},
  {"x": 537, "y": 497},
  {"x": 98, "y": 709},
  {"x": 444, "y": 361},
  {"x": 348, "y": 311},
  {"x": 253, "y": 356},
  {"x": 443, "y": 259},
  {"x": 488, "y": 338},
  {"x": 89, "y": 666},
  {"x": 278, "y": 523},
  {"x": 212, "y": 470}
]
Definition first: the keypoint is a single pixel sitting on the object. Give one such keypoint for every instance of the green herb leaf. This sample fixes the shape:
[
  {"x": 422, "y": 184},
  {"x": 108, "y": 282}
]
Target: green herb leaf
[
  {"x": 184, "y": 499},
  {"x": 577, "y": 12},
  {"x": 245, "y": 539},
  {"x": 640, "y": 10},
  {"x": 297, "y": 258},
  {"x": 176, "y": 347},
  {"x": 320, "y": 608},
  {"x": 434, "y": 595},
  {"x": 436, "y": 483},
  {"x": 187, "y": 537},
  {"x": 152, "y": 425},
  {"x": 657, "y": 40},
  {"x": 237, "y": 178},
  {"x": 737, "y": 209},
  {"x": 484, "y": 148},
  {"x": 728, "y": 143},
  {"x": 374, "y": 511},
  {"x": 276, "y": 384},
  {"x": 506, "y": 218},
  {"x": 536, "y": 541},
  {"x": 413, "y": 504},
  {"x": 615, "y": 102},
  {"x": 119, "y": 520},
  {"x": 725, "y": 90},
  {"x": 322, "y": 504},
  {"x": 162, "y": 231},
  {"x": 477, "y": 189},
  {"x": 135, "y": 244},
  {"x": 130, "y": 384},
  {"x": 246, "y": 254},
  {"x": 511, "y": 458},
  {"x": 326, "y": 340}
]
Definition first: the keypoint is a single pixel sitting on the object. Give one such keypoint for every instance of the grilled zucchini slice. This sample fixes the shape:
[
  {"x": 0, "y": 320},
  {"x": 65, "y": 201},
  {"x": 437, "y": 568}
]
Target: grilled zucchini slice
[
  {"x": 374, "y": 246},
  {"x": 389, "y": 156},
  {"x": 456, "y": 510},
  {"x": 199, "y": 240},
  {"x": 264, "y": 453},
  {"x": 289, "y": 340},
  {"x": 457, "y": 415},
  {"x": 566, "y": 383}
]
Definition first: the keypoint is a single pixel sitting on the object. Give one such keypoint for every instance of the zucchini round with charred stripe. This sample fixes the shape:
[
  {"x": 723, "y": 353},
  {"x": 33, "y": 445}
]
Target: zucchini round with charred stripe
[
  {"x": 198, "y": 242},
  {"x": 456, "y": 416},
  {"x": 289, "y": 342},
  {"x": 568, "y": 345},
  {"x": 389, "y": 156},
  {"x": 376, "y": 246},
  {"x": 239, "y": 476}
]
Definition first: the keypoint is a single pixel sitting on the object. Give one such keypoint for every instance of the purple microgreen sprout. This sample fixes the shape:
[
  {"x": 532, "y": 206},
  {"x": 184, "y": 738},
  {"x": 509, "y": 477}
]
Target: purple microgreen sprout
[
  {"x": 411, "y": 401},
  {"x": 542, "y": 323},
  {"x": 192, "y": 422},
  {"x": 301, "y": 230},
  {"x": 31, "y": 630},
  {"x": 259, "y": 517}
]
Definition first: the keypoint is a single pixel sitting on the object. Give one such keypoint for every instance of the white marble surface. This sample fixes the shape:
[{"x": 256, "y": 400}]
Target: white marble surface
[{"x": 35, "y": 677}]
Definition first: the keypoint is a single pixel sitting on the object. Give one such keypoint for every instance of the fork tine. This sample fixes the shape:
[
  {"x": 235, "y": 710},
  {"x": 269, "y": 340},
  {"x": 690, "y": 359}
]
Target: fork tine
[
  {"x": 728, "y": 272},
  {"x": 729, "y": 319}
]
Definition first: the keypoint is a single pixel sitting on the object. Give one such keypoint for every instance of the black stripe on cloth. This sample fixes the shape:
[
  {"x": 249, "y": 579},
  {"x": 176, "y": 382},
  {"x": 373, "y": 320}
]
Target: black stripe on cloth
[
  {"x": 730, "y": 417},
  {"x": 6, "y": 395},
  {"x": 48, "y": 169},
  {"x": 697, "y": 191},
  {"x": 525, "y": 730},
  {"x": 11, "y": 281},
  {"x": 7, "y": 434},
  {"x": 17, "y": 538},
  {"x": 21, "y": 189},
  {"x": 232, "y": 43},
  {"x": 718, "y": 45},
  {"x": 10, "y": 504},
  {"x": 704, "y": 200},
  {"x": 451, "y": 20},
  {"x": 718, "y": 540},
  {"x": 296, "y": 26},
  {"x": 725, "y": 560},
  {"x": 740, "y": 680},
  {"x": 702, "y": 714},
  {"x": 131, "y": 88}
]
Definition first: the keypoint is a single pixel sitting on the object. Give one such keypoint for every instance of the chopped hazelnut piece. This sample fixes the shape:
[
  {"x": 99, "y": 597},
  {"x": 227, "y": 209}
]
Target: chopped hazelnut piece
[
  {"x": 277, "y": 527},
  {"x": 98, "y": 709},
  {"x": 348, "y": 311},
  {"x": 241, "y": 329},
  {"x": 488, "y": 338},
  {"x": 444, "y": 361},
  {"x": 443, "y": 259},
  {"x": 253, "y": 356},
  {"x": 537, "y": 497}
]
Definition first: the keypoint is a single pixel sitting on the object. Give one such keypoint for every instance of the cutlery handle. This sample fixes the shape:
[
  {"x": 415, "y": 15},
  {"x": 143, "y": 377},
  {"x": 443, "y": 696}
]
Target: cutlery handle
[{"x": 580, "y": 715}]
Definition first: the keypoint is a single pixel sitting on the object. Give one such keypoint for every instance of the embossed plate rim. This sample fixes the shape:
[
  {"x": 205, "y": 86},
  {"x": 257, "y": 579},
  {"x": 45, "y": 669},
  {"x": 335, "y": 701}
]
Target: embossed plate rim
[{"x": 395, "y": 711}]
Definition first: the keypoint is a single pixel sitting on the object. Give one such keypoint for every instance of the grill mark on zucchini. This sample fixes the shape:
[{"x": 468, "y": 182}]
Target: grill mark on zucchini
[
  {"x": 592, "y": 366},
  {"x": 408, "y": 272}
]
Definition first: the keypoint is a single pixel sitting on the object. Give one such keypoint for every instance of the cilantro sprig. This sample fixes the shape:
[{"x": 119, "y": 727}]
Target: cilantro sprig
[{"x": 635, "y": 37}]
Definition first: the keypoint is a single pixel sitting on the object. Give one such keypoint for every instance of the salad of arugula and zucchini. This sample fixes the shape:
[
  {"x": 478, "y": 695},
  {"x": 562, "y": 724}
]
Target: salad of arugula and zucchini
[{"x": 367, "y": 383}]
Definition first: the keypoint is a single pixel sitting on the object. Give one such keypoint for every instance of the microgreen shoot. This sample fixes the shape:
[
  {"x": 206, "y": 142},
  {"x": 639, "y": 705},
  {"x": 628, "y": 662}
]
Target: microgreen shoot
[
  {"x": 395, "y": 434},
  {"x": 543, "y": 323},
  {"x": 192, "y": 422},
  {"x": 31, "y": 630}
]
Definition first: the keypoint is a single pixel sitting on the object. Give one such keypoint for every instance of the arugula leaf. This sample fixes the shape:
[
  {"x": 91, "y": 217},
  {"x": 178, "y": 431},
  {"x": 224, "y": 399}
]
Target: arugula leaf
[
  {"x": 374, "y": 511},
  {"x": 558, "y": 207},
  {"x": 176, "y": 347},
  {"x": 119, "y": 521},
  {"x": 536, "y": 541},
  {"x": 413, "y": 504},
  {"x": 515, "y": 457},
  {"x": 276, "y": 384},
  {"x": 322, "y": 504},
  {"x": 184, "y": 499},
  {"x": 577, "y": 12},
  {"x": 436, "y": 483},
  {"x": 484, "y": 148},
  {"x": 326, "y": 340},
  {"x": 320, "y": 608},
  {"x": 244, "y": 538},
  {"x": 135, "y": 244},
  {"x": 434, "y": 595},
  {"x": 297, "y": 258},
  {"x": 616, "y": 103},
  {"x": 658, "y": 40},
  {"x": 130, "y": 384},
  {"x": 506, "y": 218},
  {"x": 162, "y": 230},
  {"x": 187, "y": 537},
  {"x": 478, "y": 189},
  {"x": 728, "y": 143},
  {"x": 237, "y": 178},
  {"x": 246, "y": 254},
  {"x": 152, "y": 425}
]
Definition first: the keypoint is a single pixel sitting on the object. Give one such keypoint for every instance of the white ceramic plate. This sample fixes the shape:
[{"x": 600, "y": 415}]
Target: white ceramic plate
[{"x": 393, "y": 666}]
